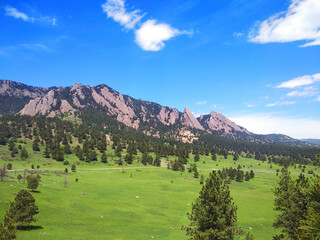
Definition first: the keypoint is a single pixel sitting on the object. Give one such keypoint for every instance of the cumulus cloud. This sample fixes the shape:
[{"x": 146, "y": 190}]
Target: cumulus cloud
[
  {"x": 283, "y": 103},
  {"x": 116, "y": 10},
  {"x": 13, "y": 12},
  {"x": 300, "y": 81},
  {"x": 201, "y": 102},
  {"x": 300, "y": 22},
  {"x": 150, "y": 35},
  {"x": 266, "y": 123},
  {"x": 306, "y": 92}
]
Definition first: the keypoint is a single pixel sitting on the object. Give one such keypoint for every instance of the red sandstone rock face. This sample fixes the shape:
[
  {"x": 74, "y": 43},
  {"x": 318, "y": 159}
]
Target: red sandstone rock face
[
  {"x": 189, "y": 120},
  {"x": 125, "y": 109},
  {"x": 218, "y": 122}
]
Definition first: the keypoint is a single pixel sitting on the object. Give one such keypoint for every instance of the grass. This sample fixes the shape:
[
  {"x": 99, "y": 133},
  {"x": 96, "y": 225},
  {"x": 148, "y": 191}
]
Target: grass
[{"x": 103, "y": 204}]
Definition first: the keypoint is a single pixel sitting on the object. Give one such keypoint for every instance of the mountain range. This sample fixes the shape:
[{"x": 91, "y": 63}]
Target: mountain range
[{"x": 149, "y": 117}]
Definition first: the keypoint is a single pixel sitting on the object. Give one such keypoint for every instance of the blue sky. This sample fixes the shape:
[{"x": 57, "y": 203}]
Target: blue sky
[{"x": 257, "y": 62}]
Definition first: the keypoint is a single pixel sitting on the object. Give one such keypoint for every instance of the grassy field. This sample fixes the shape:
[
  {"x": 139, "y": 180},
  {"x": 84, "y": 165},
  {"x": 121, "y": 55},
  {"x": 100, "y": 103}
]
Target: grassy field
[{"x": 136, "y": 203}]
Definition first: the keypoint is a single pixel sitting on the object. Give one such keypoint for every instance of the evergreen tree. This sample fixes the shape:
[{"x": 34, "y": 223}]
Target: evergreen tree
[
  {"x": 33, "y": 182},
  {"x": 67, "y": 149},
  {"x": 11, "y": 144},
  {"x": 214, "y": 215},
  {"x": 73, "y": 168},
  {"x": 24, "y": 153},
  {"x": 240, "y": 176},
  {"x": 22, "y": 209},
  {"x": 247, "y": 176},
  {"x": 196, "y": 173},
  {"x": 214, "y": 157},
  {"x": 157, "y": 161},
  {"x": 291, "y": 202},
  {"x": 7, "y": 231},
  {"x": 251, "y": 174},
  {"x": 19, "y": 177},
  {"x": 310, "y": 226},
  {"x": 104, "y": 158},
  {"x": 9, "y": 166},
  {"x": 196, "y": 157},
  {"x": 46, "y": 152},
  {"x": 35, "y": 144},
  {"x": 128, "y": 158},
  {"x": 201, "y": 179},
  {"x": 14, "y": 151}
]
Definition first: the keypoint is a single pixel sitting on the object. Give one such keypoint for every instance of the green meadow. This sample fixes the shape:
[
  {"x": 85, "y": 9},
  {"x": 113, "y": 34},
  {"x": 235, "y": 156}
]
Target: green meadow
[{"x": 133, "y": 202}]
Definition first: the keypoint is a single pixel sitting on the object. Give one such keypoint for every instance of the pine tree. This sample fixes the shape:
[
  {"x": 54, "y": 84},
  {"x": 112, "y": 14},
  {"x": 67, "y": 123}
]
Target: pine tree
[
  {"x": 247, "y": 176},
  {"x": 24, "y": 153},
  {"x": 104, "y": 158},
  {"x": 35, "y": 145},
  {"x": 19, "y": 177},
  {"x": 22, "y": 209},
  {"x": 291, "y": 202},
  {"x": 33, "y": 182},
  {"x": 310, "y": 226},
  {"x": 73, "y": 168},
  {"x": 46, "y": 152},
  {"x": 7, "y": 231},
  {"x": 214, "y": 215},
  {"x": 196, "y": 157}
]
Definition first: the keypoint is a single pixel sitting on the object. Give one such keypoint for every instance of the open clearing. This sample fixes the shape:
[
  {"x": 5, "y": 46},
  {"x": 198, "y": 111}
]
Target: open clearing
[{"x": 135, "y": 203}]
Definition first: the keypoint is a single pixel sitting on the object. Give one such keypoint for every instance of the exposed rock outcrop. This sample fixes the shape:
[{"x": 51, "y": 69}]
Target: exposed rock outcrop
[
  {"x": 218, "y": 122},
  {"x": 40, "y": 105},
  {"x": 168, "y": 116},
  {"x": 189, "y": 120}
]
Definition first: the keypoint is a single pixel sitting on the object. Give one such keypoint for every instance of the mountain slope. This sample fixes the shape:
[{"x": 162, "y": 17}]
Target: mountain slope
[{"x": 149, "y": 117}]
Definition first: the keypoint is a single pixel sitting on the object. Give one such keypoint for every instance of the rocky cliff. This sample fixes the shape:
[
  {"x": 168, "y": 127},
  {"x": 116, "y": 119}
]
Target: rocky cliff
[{"x": 149, "y": 117}]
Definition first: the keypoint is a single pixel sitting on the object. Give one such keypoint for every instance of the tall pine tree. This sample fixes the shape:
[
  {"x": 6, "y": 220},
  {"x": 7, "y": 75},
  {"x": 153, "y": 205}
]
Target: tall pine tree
[{"x": 214, "y": 215}]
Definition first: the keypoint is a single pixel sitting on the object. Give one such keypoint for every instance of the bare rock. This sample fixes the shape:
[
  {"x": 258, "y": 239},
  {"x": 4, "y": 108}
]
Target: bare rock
[
  {"x": 39, "y": 105},
  {"x": 189, "y": 120},
  {"x": 218, "y": 122}
]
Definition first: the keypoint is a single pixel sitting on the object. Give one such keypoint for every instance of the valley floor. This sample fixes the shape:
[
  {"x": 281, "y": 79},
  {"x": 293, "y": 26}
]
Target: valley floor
[{"x": 135, "y": 202}]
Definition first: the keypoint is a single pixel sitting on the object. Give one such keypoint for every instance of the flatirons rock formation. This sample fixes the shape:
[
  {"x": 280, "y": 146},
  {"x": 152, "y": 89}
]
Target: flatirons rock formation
[
  {"x": 149, "y": 117},
  {"x": 189, "y": 120},
  {"x": 216, "y": 122}
]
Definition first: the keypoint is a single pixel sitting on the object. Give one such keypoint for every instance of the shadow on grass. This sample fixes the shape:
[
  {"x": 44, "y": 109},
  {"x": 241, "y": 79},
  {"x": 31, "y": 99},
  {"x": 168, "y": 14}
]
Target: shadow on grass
[
  {"x": 35, "y": 191},
  {"x": 29, "y": 228}
]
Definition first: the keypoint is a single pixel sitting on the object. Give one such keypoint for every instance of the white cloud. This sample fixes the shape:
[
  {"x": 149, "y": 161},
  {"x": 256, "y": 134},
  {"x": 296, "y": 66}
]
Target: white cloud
[
  {"x": 116, "y": 10},
  {"x": 151, "y": 35},
  {"x": 201, "y": 102},
  {"x": 251, "y": 105},
  {"x": 54, "y": 21},
  {"x": 317, "y": 99},
  {"x": 267, "y": 123},
  {"x": 300, "y": 81},
  {"x": 238, "y": 34},
  {"x": 300, "y": 22},
  {"x": 13, "y": 12},
  {"x": 306, "y": 92},
  {"x": 37, "y": 17},
  {"x": 283, "y": 103}
]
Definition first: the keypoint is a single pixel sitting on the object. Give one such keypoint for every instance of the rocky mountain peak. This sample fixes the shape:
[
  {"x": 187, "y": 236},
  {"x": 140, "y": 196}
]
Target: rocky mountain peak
[
  {"x": 188, "y": 119},
  {"x": 218, "y": 122}
]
